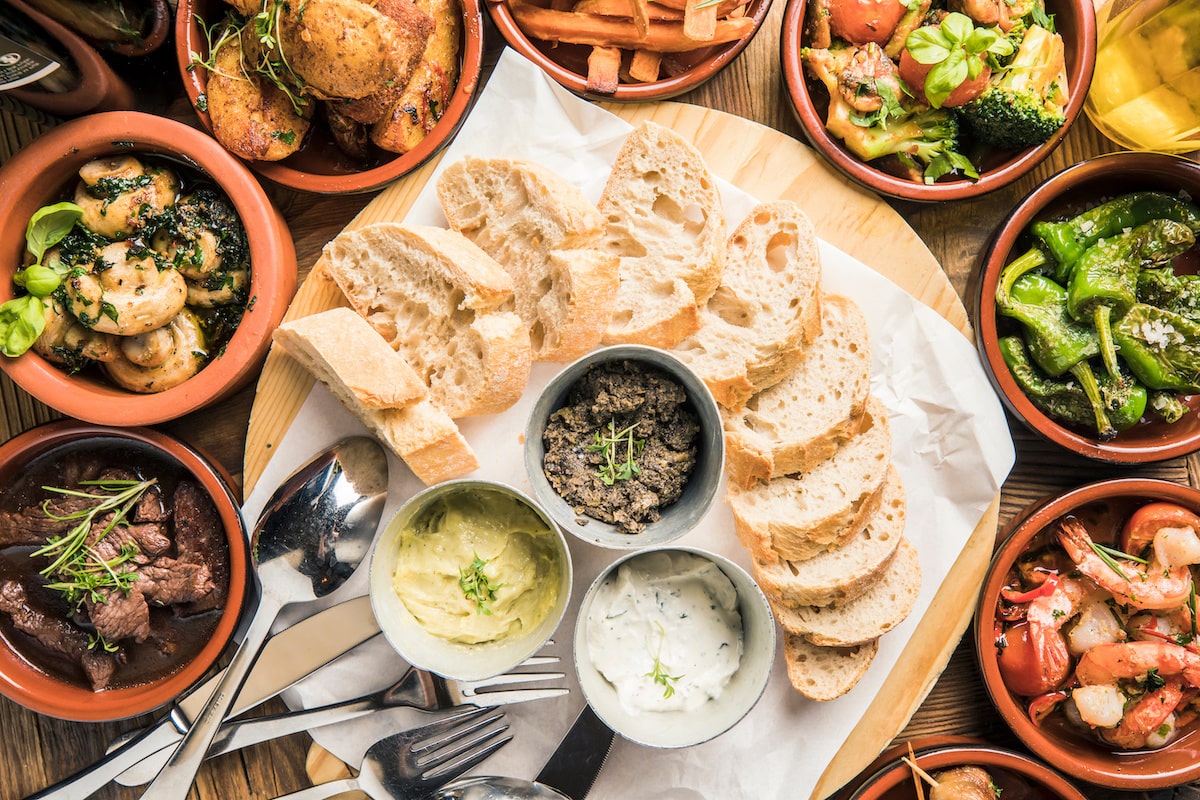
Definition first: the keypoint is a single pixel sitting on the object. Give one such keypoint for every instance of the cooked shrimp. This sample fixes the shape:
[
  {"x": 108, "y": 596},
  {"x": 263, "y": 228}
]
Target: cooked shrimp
[
  {"x": 1107, "y": 664},
  {"x": 1046, "y": 616},
  {"x": 1145, "y": 717},
  {"x": 1139, "y": 585},
  {"x": 868, "y": 71}
]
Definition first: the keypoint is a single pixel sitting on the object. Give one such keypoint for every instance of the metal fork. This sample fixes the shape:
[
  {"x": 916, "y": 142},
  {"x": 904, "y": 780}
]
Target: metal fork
[
  {"x": 413, "y": 763},
  {"x": 417, "y": 689}
]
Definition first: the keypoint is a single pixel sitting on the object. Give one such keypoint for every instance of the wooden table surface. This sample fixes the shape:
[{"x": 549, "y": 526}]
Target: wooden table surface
[{"x": 36, "y": 751}]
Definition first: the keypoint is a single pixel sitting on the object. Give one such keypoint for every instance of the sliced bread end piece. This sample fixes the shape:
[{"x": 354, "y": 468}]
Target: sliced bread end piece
[
  {"x": 428, "y": 441},
  {"x": 825, "y": 673}
]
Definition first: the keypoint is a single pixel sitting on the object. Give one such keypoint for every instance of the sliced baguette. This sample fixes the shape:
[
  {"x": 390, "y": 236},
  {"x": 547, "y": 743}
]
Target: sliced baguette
[
  {"x": 875, "y": 612},
  {"x": 767, "y": 310},
  {"x": 420, "y": 433},
  {"x": 345, "y": 353},
  {"x": 825, "y": 673},
  {"x": 436, "y": 298},
  {"x": 841, "y": 573},
  {"x": 802, "y": 420},
  {"x": 664, "y": 219},
  {"x": 795, "y": 517},
  {"x": 544, "y": 232}
]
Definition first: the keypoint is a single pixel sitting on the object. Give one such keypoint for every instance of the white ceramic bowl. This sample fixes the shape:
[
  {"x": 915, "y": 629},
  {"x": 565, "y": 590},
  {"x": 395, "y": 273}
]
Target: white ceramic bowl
[
  {"x": 426, "y": 650},
  {"x": 677, "y": 518},
  {"x": 669, "y": 729}
]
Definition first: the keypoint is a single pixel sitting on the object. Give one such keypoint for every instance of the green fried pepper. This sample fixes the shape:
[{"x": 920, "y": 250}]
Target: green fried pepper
[
  {"x": 1056, "y": 341},
  {"x": 1161, "y": 347}
]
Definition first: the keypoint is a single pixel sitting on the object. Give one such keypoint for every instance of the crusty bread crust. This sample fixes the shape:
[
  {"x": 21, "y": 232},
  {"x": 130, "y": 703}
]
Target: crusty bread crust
[
  {"x": 795, "y": 517},
  {"x": 544, "y": 233},
  {"x": 665, "y": 221},
  {"x": 767, "y": 310},
  {"x": 882, "y": 607},
  {"x": 825, "y": 673},
  {"x": 802, "y": 420},
  {"x": 345, "y": 353},
  {"x": 437, "y": 298},
  {"x": 841, "y": 573},
  {"x": 428, "y": 441}
]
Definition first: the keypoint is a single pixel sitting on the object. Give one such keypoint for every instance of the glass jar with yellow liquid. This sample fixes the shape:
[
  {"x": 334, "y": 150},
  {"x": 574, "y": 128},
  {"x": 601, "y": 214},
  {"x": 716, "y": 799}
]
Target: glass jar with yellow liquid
[{"x": 1145, "y": 93}]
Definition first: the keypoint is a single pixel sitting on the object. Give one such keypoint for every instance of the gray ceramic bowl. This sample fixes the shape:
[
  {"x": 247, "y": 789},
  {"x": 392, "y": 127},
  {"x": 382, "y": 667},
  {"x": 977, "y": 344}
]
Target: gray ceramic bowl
[
  {"x": 428, "y": 651},
  {"x": 671, "y": 729},
  {"x": 677, "y": 518}
]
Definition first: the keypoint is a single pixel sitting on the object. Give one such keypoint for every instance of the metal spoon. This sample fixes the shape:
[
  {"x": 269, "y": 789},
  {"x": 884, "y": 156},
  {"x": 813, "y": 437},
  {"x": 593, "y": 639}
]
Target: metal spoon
[
  {"x": 312, "y": 534},
  {"x": 493, "y": 788}
]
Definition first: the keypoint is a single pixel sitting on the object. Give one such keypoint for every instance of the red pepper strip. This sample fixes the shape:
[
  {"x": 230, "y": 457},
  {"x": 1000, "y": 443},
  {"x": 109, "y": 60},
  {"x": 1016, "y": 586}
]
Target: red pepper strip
[
  {"x": 1146, "y": 630},
  {"x": 1046, "y": 589},
  {"x": 1041, "y": 706}
]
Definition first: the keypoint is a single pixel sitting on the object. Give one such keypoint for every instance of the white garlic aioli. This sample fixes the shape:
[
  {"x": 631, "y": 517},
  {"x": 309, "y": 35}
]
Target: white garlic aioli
[{"x": 671, "y": 614}]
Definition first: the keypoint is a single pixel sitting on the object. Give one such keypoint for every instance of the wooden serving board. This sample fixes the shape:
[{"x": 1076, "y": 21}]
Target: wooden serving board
[{"x": 851, "y": 218}]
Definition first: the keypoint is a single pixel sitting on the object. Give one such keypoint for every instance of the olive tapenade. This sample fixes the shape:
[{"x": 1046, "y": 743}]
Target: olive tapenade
[{"x": 624, "y": 445}]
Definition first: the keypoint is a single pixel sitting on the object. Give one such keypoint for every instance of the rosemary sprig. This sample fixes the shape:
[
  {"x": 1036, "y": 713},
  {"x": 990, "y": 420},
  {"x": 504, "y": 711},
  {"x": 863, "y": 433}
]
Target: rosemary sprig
[
  {"x": 659, "y": 673},
  {"x": 80, "y": 570},
  {"x": 617, "y": 466},
  {"x": 1110, "y": 555},
  {"x": 477, "y": 586}
]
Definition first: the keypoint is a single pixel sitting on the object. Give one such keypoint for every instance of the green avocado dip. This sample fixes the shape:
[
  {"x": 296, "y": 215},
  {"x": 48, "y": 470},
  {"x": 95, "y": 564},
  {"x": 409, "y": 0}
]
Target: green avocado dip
[{"x": 478, "y": 566}]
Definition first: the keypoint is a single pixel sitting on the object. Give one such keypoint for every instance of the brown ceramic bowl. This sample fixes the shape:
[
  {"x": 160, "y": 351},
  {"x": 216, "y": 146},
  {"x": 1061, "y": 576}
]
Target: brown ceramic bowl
[
  {"x": 127, "y": 41},
  {"x": 567, "y": 63},
  {"x": 39, "y": 690},
  {"x": 1074, "y": 19},
  {"x": 1069, "y": 192},
  {"x": 319, "y": 166},
  {"x": 45, "y": 172},
  {"x": 1104, "y": 506},
  {"x": 1016, "y": 775}
]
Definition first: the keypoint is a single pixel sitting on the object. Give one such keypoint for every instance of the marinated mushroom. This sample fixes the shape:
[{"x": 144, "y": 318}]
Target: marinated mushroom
[
  {"x": 119, "y": 195},
  {"x": 124, "y": 292},
  {"x": 162, "y": 358},
  {"x": 65, "y": 340},
  {"x": 218, "y": 289}
]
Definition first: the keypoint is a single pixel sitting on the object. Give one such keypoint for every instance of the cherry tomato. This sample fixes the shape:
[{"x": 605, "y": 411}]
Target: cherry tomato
[
  {"x": 862, "y": 21},
  {"x": 913, "y": 73},
  {"x": 1139, "y": 530},
  {"x": 1028, "y": 670}
]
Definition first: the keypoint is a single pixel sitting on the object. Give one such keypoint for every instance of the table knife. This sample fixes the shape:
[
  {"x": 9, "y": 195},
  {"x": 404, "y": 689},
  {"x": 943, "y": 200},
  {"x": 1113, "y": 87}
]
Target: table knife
[
  {"x": 287, "y": 657},
  {"x": 572, "y": 768}
]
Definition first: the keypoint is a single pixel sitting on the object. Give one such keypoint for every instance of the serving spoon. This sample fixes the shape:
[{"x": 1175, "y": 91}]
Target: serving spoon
[{"x": 311, "y": 536}]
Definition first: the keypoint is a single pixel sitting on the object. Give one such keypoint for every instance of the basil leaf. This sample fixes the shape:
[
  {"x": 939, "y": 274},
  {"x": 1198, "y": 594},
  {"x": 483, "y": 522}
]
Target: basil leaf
[
  {"x": 48, "y": 226},
  {"x": 927, "y": 46},
  {"x": 957, "y": 27},
  {"x": 981, "y": 40},
  {"x": 22, "y": 320},
  {"x": 945, "y": 77},
  {"x": 38, "y": 280}
]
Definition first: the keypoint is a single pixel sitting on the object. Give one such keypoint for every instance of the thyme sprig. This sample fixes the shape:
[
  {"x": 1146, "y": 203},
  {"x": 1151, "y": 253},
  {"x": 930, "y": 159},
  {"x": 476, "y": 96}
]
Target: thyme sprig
[
  {"x": 477, "y": 586},
  {"x": 81, "y": 572},
  {"x": 618, "y": 465}
]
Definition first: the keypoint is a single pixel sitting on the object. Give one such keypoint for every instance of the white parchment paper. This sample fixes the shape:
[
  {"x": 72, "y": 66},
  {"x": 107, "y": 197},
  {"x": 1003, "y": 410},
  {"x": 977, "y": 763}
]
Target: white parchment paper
[{"x": 951, "y": 446}]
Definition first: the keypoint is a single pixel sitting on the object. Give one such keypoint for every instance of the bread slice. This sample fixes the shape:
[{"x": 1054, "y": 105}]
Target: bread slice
[
  {"x": 825, "y": 673},
  {"x": 802, "y": 420},
  {"x": 436, "y": 298},
  {"x": 346, "y": 354},
  {"x": 795, "y": 517},
  {"x": 875, "y": 612},
  {"x": 420, "y": 433},
  {"x": 664, "y": 219},
  {"x": 841, "y": 573},
  {"x": 767, "y": 310},
  {"x": 544, "y": 232}
]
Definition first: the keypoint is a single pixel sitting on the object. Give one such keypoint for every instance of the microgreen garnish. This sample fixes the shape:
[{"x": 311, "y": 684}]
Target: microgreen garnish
[
  {"x": 477, "y": 586},
  {"x": 81, "y": 572},
  {"x": 659, "y": 673},
  {"x": 618, "y": 465}
]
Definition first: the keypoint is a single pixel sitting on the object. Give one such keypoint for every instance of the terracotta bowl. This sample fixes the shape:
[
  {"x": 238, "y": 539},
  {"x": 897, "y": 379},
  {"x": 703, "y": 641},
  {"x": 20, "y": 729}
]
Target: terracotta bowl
[
  {"x": 39, "y": 691},
  {"x": 319, "y": 166},
  {"x": 99, "y": 87},
  {"x": 126, "y": 42},
  {"x": 1103, "y": 506},
  {"x": 1074, "y": 19},
  {"x": 45, "y": 172},
  {"x": 1069, "y": 192},
  {"x": 567, "y": 63},
  {"x": 890, "y": 778}
]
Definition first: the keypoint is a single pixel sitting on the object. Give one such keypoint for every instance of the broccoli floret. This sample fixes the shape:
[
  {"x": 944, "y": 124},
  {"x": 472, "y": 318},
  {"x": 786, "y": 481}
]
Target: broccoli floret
[
  {"x": 1023, "y": 103},
  {"x": 924, "y": 139}
]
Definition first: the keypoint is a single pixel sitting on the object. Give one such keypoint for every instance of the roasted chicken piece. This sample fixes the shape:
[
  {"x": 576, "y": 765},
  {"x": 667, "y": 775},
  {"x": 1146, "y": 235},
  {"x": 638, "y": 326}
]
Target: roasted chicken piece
[{"x": 250, "y": 116}]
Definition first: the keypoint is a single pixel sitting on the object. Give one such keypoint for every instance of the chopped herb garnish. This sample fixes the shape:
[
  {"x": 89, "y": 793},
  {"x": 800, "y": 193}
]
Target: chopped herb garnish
[{"x": 620, "y": 451}]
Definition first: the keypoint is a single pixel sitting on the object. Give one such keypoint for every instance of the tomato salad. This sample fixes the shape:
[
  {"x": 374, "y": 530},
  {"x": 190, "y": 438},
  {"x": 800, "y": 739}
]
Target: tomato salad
[
  {"x": 930, "y": 88},
  {"x": 1096, "y": 625}
]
